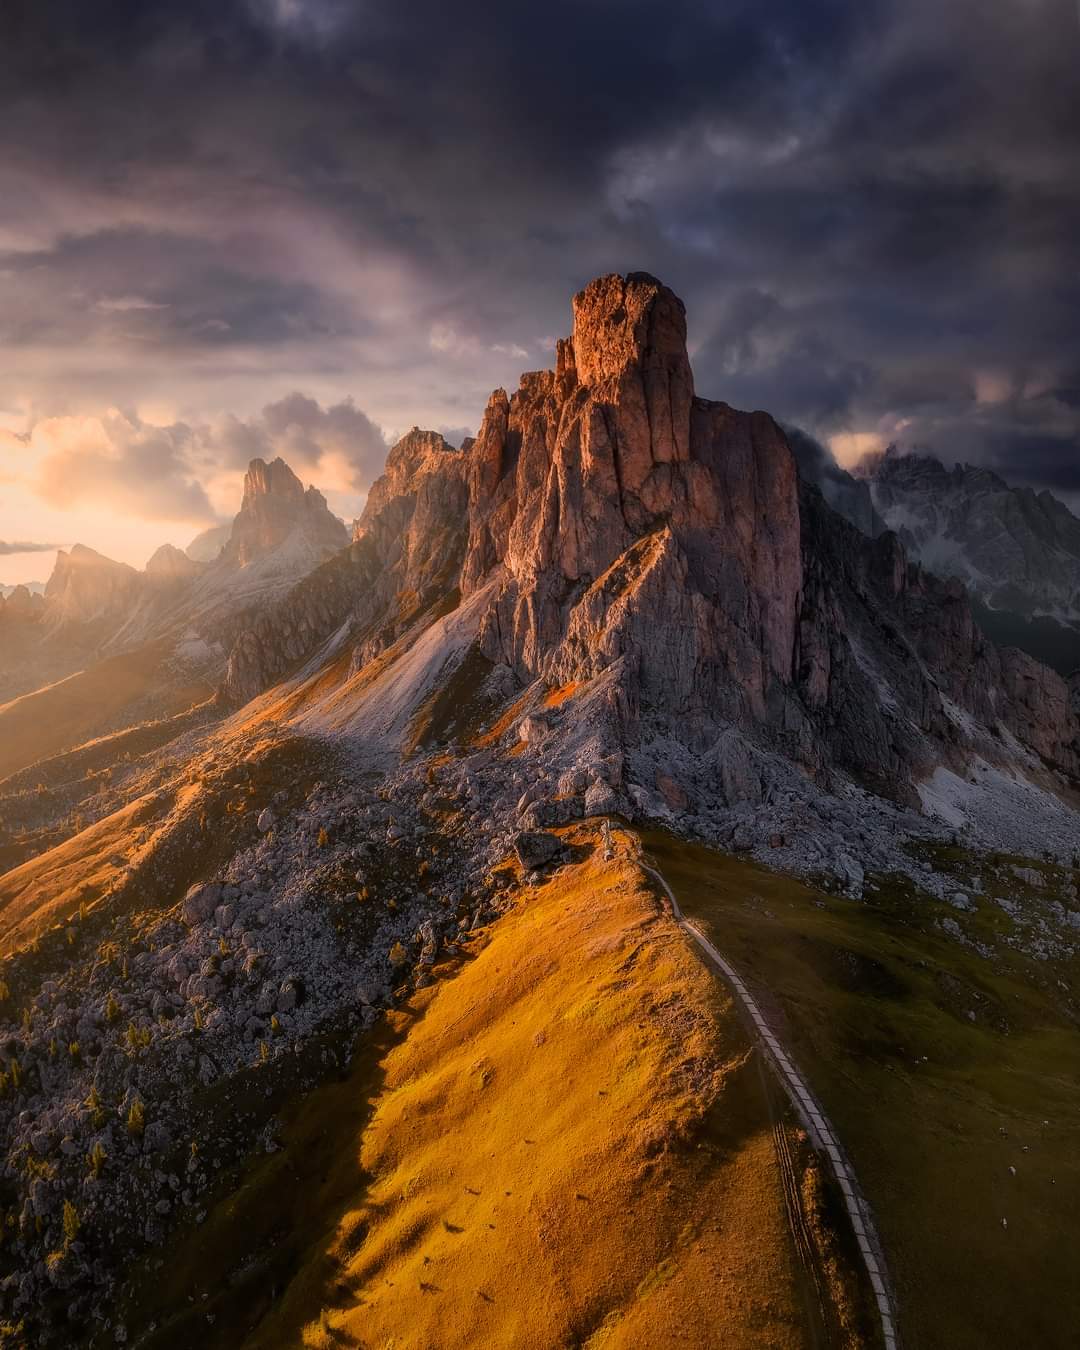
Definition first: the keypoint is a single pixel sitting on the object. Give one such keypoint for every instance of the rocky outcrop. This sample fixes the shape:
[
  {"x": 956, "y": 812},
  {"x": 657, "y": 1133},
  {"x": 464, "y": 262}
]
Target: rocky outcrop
[
  {"x": 22, "y": 605},
  {"x": 617, "y": 502},
  {"x": 86, "y": 587},
  {"x": 276, "y": 508},
  {"x": 170, "y": 565},
  {"x": 405, "y": 556},
  {"x": 630, "y": 535}
]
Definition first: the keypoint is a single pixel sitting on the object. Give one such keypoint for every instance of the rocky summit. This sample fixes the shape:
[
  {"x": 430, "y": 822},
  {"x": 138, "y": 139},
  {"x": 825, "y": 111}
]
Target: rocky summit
[{"x": 352, "y": 889}]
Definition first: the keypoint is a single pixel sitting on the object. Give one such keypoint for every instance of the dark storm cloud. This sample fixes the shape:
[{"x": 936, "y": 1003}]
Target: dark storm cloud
[{"x": 871, "y": 208}]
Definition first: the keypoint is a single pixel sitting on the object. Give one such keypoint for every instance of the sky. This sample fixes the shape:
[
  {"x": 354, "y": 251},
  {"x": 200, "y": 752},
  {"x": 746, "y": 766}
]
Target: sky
[{"x": 299, "y": 227}]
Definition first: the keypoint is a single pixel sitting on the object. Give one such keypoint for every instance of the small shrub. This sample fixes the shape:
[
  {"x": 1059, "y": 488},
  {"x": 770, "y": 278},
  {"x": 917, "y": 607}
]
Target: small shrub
[
  {"x": 323, "y": 838},
  {"x": 275, "y": 1025},
  {"x": 137, "y": 1038},
  {"x": 136, "y": 1120},
  {"x": 5, "y": 992},
  {"x": 74, "y": 1051},
  {"x": 94, "y": 1105},
  {"x": 398, "y": 955},
  {"x": 112, "y": 1007},
  {"x": 96, "y": 1160},
  {"x": 72, "y": 1222}
]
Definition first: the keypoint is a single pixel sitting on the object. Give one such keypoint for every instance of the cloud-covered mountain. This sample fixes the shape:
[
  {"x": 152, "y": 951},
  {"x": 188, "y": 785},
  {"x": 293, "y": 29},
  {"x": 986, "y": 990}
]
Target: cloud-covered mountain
[{"x": 1016, "y": 550}]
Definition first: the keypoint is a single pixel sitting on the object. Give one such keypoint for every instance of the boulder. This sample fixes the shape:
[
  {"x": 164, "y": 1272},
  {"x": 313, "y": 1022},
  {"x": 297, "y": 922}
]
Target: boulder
[
  {"x": 601, "y": 799},
  {"x": 199, "y": 903},
  {"x": 536, "y": 848}
]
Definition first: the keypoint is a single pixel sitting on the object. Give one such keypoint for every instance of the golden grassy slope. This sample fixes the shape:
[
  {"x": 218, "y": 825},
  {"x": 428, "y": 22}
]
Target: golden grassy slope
[
  {"x": 85, "y": 705},
  {"x": 568, "y": 1145},
  {"x": 79, "y": 871}
]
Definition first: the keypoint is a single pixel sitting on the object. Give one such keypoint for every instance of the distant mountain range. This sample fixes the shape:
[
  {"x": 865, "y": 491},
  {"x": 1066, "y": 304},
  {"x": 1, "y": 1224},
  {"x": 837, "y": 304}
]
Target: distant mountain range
[
  {"x": 93, "y": 607},
  {"x": 1016, "y": 550}
]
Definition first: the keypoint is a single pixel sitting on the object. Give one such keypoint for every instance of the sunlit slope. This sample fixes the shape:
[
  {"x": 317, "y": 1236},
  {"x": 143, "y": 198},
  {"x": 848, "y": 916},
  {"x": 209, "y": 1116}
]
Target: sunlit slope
[
  {"x": 948, "y": 1065},
  {"x": 112, "y": 694},
  {"x": 568, "y": 1145},
  {"x": 75, "y": 874}
]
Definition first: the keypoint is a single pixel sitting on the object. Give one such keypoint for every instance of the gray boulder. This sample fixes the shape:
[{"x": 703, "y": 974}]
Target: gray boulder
[
  {"x": 199, "y": 903},
  {"x": 536, "y": 848}
]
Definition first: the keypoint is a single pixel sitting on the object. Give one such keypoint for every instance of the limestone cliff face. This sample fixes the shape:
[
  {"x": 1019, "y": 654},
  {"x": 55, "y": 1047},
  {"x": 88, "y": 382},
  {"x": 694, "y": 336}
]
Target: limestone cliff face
[
  {"x": 626, "y": 527},
  {"x": 572, "y": 475}
]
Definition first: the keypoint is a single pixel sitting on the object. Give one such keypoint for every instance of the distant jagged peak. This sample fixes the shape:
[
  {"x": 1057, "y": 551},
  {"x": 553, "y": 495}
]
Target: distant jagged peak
[
  {"x": 207, "y": 545},
  {"x": 275, "y": 506},
  {"x": 169, "y": 563},
  {"x": 915, "y": 465},
  {"x": 83, "y": 556},
  {"x": 86, "y": 585},
  {"x": 21, "y": 602}
]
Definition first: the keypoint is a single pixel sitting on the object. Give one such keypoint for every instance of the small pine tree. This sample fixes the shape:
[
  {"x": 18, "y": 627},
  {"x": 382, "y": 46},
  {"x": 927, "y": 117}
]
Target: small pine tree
[
  {"x": 264, "y": 1053},
  {"x": 324, "y": 838},
  {"x": 96, "y": 1159},
  {"x": 112, "y": 1008},
  {"x": 94, "y": 1105},
  {"x": 275, "y": 1025},
  {"x": 5, "y": 992},
  {"x": 74, "y": 1051},
  {"x": 136, "y": 1120},
  {"x": 16, "y": 1075},
  {"x": 398, "y": 955},
  {"x": 72, "y": 1222}
]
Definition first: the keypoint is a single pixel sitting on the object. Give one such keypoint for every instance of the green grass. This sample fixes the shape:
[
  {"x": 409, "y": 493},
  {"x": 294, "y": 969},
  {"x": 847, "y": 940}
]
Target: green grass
[{"x": 874, "y": 999}]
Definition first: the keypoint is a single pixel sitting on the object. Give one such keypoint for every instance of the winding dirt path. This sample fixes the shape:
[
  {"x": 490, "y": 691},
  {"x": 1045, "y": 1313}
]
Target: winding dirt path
[{"x": 809, "y": 1110}]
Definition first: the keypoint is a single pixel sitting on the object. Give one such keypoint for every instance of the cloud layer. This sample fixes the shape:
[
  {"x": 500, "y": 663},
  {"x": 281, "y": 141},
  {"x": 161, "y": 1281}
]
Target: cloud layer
[
  {"x": 10, "y": 546},
  {"x": 870, "y": 207}
]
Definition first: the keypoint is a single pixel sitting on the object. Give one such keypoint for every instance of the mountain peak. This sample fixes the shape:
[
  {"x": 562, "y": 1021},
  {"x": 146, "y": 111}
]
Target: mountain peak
[
  {"x": 274, "y": 479},
  {"x": 170, "y": 563},
  {"x": 624, "y": 323},
  {"x": 274, "y": 506}
]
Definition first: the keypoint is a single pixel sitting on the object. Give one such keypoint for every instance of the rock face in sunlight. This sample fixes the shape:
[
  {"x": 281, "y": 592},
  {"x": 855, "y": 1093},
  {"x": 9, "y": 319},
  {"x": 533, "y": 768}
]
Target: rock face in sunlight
[
  {"x": 631, "y": 532},
  {"x": 634, "y": 521}
]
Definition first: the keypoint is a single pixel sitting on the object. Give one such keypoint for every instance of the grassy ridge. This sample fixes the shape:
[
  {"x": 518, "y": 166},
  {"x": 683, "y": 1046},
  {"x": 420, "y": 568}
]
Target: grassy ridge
[
  {"x": 564, "y": 1141},
  {"x": 943, "y": 1063}
]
